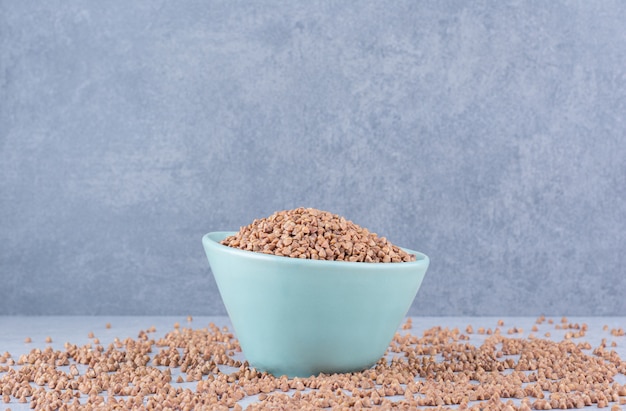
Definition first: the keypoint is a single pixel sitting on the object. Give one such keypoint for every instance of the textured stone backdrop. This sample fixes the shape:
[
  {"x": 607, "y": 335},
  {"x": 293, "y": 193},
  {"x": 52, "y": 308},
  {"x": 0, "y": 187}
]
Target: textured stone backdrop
[{"x": 490, "y": 135}]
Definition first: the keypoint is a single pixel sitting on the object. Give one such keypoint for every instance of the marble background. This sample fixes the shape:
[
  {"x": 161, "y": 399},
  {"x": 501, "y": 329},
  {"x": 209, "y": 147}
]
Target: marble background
[{"x": 490, "y": 135}]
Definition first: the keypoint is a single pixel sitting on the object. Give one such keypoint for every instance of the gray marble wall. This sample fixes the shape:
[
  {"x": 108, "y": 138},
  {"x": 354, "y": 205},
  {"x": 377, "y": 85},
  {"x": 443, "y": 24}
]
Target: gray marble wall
[{"x": 490, "y": 135}]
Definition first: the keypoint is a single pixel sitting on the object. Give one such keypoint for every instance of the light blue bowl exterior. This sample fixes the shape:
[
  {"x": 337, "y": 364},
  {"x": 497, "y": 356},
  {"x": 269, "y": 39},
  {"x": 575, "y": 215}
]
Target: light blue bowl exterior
[{"x": 302, "y": 317}]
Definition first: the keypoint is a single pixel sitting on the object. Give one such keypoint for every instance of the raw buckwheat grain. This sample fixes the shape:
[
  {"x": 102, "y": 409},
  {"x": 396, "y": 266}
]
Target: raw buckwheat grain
[{"x": 318, "y": 235}]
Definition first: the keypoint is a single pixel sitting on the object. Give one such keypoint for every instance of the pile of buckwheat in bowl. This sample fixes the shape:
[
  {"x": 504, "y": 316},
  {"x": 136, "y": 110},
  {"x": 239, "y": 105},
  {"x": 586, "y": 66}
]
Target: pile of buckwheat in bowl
[
  {"x": 309, "y": 291},
  {"x": 317, "y": 235}
]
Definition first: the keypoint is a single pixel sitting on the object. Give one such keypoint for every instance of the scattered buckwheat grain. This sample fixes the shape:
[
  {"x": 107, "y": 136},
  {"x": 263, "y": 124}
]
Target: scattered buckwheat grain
[{"x": 440, "y": 370}]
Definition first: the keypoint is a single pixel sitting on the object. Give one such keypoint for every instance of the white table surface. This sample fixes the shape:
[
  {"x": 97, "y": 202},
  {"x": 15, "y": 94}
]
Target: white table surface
[{"x": 75, "y": 329}]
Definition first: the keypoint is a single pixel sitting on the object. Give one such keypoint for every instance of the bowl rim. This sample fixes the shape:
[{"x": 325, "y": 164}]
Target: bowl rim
[{"x": 209, "y": 241}]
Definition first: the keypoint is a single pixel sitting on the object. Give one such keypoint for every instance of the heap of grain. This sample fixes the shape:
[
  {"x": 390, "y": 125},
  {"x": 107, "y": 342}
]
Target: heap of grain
[{"x": 318, "y": 235}]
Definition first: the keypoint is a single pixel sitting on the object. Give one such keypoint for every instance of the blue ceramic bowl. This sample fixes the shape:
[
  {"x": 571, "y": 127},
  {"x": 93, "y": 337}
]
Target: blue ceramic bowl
[{"x": 302, "y": 317}]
